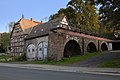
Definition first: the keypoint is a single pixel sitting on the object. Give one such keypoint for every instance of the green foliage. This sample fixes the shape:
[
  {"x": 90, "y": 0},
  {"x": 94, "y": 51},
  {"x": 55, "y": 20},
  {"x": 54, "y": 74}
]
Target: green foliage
[
  {"x": 4, "y": 41},
  {"x": 5, "y": 57},
  {"x": 81, "y": 14},
  {"x": 109, "y": 12},
  {"x": 106, "y": 32},
  {"x": 59, "y": 14},
  {"x": 20, "y": 58}
]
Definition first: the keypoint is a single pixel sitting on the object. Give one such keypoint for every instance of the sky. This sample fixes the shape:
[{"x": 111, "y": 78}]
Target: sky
[{"x": 12, "y": 10}]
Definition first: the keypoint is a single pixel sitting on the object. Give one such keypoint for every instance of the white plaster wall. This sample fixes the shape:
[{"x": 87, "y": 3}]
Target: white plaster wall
[
  {"x": 42, "y": 39},
  {"x": 64, "y": 21},
  {"x": 30, "y": 55},
  {"x": 42, "y": 54}
]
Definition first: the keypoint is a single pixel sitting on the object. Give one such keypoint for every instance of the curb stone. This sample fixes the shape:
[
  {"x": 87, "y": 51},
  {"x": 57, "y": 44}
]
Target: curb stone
[{"x": 103, "y": 71}]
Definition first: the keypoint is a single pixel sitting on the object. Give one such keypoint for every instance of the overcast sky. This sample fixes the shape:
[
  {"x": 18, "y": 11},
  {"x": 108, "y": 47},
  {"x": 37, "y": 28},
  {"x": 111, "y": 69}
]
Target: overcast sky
[{"x": 12, "y": 10}]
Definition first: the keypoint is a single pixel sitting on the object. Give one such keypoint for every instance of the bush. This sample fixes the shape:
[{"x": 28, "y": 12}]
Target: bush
[{"x": 21, "y": 58}]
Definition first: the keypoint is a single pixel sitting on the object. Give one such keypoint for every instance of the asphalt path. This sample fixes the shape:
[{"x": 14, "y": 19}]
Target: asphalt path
[
  {"x": 98, "y": 59},
  {"x": 12, "y": 73}
]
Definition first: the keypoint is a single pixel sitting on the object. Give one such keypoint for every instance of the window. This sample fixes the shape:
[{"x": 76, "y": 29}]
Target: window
[
  {"x": 15, "y": 40},
  {"x": 40, "y": 49},
  {"x": 20, "y": 39},
  {"x": 33, "y": 50},
  {"x": 29, "y": 50}
]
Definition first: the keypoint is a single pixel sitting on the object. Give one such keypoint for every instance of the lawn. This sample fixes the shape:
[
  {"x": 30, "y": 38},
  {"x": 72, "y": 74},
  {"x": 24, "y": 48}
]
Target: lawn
[
  {"x": 112, "y": 63},
  {"x": 66, "y": 61}
]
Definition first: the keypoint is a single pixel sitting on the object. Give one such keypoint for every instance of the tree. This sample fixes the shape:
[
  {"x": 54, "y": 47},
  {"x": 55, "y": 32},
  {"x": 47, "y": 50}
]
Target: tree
[
  {"x": 4, "y": 41},
  {"x": 86, "y": 16},
  {"x": 109, "y": 12},
  {"x": 11, "y": 25},
  {"x": 81, "y": 14}
]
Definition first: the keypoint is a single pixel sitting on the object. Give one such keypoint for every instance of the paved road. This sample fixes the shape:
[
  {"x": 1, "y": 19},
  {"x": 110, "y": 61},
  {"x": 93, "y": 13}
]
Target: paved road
[{"x": 9, "y": 73}]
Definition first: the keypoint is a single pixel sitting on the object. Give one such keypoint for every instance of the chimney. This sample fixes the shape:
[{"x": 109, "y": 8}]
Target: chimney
[
  {"x": 32, "y": 19},
  {"x": 22, "y": 16}
]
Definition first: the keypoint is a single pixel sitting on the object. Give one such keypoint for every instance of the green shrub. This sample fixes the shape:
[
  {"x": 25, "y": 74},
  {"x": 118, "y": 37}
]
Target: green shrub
[{"x": 21, "y": 58}]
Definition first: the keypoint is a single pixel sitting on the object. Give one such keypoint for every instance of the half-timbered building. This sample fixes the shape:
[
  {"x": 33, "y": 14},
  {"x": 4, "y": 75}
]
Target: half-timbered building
[{"x": 20, "y": 30}]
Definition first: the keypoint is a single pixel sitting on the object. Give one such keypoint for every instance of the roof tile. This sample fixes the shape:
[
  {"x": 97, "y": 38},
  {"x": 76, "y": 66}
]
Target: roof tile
[{"x": 25, "y": 23}]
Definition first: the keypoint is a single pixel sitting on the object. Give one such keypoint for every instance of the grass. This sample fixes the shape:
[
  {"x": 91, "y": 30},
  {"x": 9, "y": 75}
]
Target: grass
[
  {"x": 65, "y": 61},
  {"x": 115, "y": 63},
  {"x": 5, "y": 57}
]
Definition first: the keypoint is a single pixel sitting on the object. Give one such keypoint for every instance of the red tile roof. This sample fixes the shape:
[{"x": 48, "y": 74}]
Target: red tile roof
[{"x": 26, "y": 23}]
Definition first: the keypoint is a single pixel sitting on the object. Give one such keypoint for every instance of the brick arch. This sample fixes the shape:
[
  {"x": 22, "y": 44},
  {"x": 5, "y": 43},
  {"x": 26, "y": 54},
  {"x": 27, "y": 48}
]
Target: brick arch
[
  {"x": 72, "y": 48},
  {"x": 73, "y": 38},
  {"x": 104, "y": 46},
  {"x": 91, "y": 47}
]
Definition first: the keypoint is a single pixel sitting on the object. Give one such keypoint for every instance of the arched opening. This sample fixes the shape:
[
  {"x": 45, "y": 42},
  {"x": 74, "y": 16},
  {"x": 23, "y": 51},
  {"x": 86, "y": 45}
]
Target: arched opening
[
  {"x": 104, "y": 47},
  {"x": 31, "y": 51},
  {"x": 72, "y": 48},
  {"x": 91, "y": 47}
]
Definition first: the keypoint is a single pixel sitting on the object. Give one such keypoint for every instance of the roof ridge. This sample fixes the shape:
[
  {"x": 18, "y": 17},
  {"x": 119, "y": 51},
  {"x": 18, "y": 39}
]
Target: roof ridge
[{"x": 30, "y": 20}]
